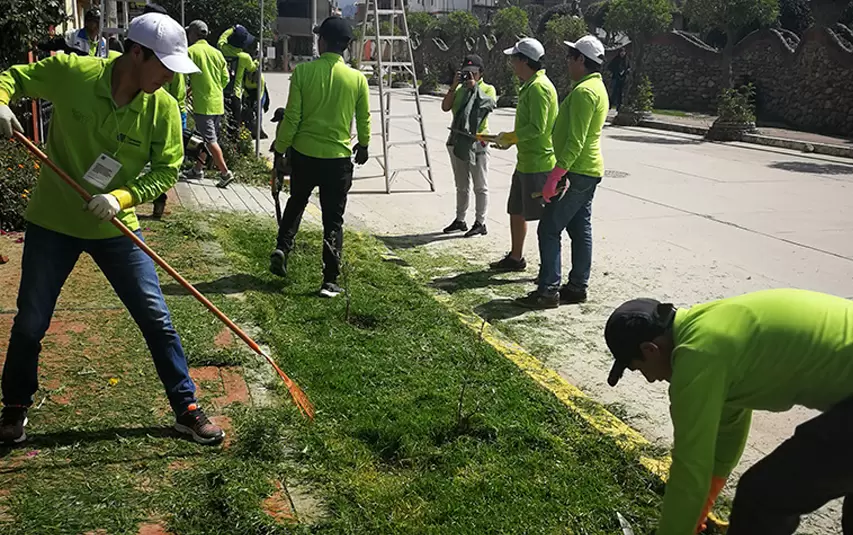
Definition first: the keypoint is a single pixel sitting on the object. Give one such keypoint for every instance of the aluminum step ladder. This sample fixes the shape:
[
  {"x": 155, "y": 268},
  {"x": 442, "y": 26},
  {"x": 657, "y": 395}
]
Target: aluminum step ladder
[{"x": 396, "y": 75}]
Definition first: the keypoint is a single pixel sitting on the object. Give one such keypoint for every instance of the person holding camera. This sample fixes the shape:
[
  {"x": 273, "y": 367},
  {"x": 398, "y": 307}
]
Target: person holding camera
[{"x": 471, "y": 100}]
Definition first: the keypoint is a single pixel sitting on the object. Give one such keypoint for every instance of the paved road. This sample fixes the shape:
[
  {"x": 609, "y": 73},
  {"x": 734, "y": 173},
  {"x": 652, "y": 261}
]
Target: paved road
[{"x": 677, "y": 218}]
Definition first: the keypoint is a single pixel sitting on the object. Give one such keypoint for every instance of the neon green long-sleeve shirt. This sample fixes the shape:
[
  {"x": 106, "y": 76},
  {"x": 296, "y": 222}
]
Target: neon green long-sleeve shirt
[
  {"x": 767, "y": 350},
  {"x": 245, "y": 63},
  {"x": 178, "y": 89},
  {"x": 86, "y": 124},
  {"x": 577, "y": 131},
  {"x": 207, "y": 85},
  {"x": 324, "y": 96},
  {"x": 534, "y": 122}
]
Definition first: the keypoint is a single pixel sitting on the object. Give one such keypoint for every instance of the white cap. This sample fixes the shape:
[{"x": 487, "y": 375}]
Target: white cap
[
  {"x": 529, "y": 47},
  {"x": 162, "y": 34},
  {"x": 589, "y": 46}
]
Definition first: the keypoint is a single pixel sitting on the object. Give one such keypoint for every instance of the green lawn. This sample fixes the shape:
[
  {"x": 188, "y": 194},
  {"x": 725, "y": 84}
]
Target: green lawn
[{"x": 420, "y": 426}]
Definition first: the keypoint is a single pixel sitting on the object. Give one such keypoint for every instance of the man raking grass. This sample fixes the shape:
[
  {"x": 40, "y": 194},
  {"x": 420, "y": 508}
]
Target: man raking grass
[
  {"x": 767, "y": 350},
  {"x": 110, "y": 119}
]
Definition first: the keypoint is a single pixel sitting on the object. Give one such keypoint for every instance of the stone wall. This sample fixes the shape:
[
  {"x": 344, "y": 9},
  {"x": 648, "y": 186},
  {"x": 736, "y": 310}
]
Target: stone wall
[{"x": 806, "y": 83}]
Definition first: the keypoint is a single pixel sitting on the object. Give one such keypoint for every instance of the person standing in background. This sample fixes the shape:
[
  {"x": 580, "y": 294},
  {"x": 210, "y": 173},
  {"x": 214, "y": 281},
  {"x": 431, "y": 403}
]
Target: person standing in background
[
  {"x": 619, "y": 69},
  {"x": 208, "y": 99},
  {"x": 534, "y": 120},
  {"x": 314, "y": 136},
  {"x": 233, "y": 43},
  {"x": 579, "y": 169},
  {"x": 85, "y": 41},
  {"x": 471, "y": 100}
]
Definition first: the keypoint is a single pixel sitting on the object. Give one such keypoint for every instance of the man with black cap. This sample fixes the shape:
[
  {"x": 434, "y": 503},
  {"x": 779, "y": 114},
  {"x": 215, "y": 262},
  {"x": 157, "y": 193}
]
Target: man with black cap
[
  {"x": 471, "y": 100},
  {"x": 766, "y": 350},
  {"x": 85, "y": 41},
  {"x": 233, "y": 43},
  {"x": 579, "y": 168},
  {"x": 325, "y": 95}
]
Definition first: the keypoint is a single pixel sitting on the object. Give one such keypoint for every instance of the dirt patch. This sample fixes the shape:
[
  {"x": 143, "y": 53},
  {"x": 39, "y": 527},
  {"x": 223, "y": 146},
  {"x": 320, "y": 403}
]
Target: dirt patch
[
  {"x": 152, "y": 529},
  {"x": 177, "y": 466},
  {"x": 278, "y": 506},
  {"x": 97, "y": 532},
  {"x": 10, "y": 272},
  {"x": 224, "y": 339},
  {"x": 236, "y": 390}
]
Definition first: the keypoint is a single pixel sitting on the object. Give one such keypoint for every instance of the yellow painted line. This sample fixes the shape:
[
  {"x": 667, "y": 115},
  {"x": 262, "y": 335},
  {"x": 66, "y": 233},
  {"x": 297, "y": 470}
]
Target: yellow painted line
[{"x": 571, "y": 396}]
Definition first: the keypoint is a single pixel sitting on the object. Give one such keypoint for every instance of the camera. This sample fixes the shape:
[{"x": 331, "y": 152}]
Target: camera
[{"x": 465, "y": 76}]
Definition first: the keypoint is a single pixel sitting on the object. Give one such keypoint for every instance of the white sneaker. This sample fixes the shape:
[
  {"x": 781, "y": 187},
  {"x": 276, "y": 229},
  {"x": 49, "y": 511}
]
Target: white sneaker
[{"x": 330, "y": 290}]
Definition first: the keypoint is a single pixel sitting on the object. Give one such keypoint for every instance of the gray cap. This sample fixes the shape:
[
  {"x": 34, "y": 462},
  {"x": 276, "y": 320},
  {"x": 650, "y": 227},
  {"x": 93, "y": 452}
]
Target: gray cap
[{"x": 198, "y": 26}]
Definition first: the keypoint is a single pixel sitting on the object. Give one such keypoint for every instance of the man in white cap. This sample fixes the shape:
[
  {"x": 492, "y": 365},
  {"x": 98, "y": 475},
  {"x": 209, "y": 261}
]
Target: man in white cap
[
  {"x": 110, "y": 119},
  {"x": 570, "y": 187},
  {"x": 534, "y": 119}
]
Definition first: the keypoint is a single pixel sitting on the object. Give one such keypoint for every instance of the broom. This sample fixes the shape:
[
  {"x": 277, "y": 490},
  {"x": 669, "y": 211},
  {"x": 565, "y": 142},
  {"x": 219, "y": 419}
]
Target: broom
[{"x": 298, "y": 395}]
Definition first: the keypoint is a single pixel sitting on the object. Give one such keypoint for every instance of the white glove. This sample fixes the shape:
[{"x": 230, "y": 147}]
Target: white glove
[
  {"x": 8, "y": 122},
  {"x": 105, "y": 206}
]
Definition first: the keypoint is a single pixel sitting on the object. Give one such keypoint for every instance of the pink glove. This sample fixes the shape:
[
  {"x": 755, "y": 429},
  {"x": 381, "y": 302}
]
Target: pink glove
[{"x": 550, "y": 189}]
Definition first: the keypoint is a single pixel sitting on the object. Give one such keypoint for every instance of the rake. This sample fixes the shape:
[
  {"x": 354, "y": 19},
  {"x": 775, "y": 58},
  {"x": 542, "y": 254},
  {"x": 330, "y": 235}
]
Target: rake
[{"x": 298, "y": 395}]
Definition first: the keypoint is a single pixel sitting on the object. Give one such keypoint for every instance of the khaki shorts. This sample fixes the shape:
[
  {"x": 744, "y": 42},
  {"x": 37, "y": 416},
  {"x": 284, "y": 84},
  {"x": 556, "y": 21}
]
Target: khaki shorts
[{"x": 521, "y": 201}]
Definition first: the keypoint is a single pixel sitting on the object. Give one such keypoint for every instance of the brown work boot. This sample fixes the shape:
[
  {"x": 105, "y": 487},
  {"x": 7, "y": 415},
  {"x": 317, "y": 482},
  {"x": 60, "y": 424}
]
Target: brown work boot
[{"x": 195, "y": 423}]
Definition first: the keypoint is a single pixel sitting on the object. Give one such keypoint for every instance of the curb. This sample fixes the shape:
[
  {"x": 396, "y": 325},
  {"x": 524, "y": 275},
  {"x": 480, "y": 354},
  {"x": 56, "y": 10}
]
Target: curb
[{"x": 757, "y": 139}]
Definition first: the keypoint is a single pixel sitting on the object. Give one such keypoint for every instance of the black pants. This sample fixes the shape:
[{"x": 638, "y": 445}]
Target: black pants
[
  {"x": 617, "y": 89},
  {"x": 334, "y": 178},
  {"x": 800, "y": 476}
]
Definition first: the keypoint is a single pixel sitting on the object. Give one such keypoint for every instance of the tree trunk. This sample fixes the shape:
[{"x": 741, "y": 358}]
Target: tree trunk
[{"x": 728, "y": 52}]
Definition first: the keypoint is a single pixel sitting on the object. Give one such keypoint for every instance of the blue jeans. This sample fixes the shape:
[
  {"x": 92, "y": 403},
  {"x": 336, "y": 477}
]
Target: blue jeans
[
  {"x": 48, "y": 259},
  {"x": 573, "y": 214}
]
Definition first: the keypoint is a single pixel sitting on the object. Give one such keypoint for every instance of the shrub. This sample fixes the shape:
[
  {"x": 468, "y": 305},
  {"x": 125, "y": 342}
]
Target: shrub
[
  {"x": 641, "y": 97},
  {"x": 18, "y": 174},
  {"x": 24, "y": 22},
  {"x": 737, "y": 105}
]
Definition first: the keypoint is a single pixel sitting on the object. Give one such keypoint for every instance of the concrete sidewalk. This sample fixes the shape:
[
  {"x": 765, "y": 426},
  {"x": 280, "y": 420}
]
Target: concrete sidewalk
[{"x": 675, "y": 218}]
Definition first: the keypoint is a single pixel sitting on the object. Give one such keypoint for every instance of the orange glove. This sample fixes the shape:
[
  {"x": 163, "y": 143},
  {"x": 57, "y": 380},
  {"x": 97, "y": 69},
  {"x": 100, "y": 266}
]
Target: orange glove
[{"x": 717, "y": 484}]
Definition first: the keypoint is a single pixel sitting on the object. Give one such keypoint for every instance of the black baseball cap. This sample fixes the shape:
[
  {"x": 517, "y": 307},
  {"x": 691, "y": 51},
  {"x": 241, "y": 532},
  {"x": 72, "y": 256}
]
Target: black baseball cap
[
  {"x": 635, "y": 322},
  {"x": 335, "y": 29},
  {"x": 472, "y": 63}
]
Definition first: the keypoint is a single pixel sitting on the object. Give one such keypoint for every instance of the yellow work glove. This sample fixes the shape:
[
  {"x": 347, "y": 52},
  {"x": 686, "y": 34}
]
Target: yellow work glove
[
  {"x": 717, "y": 484},
  {"x": 506, "y": 140}
]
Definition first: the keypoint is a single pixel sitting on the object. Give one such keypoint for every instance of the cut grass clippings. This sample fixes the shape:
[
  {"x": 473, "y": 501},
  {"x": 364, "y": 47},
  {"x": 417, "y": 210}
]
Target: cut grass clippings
[{"x": 420, "y": 426}]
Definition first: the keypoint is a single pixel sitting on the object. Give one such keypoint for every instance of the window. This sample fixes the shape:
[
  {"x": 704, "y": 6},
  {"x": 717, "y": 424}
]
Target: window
[{"x": 296, "y": 9}]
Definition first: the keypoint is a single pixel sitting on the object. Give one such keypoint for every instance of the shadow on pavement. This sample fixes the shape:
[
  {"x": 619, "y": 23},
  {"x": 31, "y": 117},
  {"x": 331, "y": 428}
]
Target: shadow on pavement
[
  {"x": 232, "y": 284},
  {"x": 813, "y": 168},
  {"x": 410, "y": 241},
  {"x": 657, "y": 139},
  {"x": 500, "y": 309},
  {"x": 473, "y": 279}
]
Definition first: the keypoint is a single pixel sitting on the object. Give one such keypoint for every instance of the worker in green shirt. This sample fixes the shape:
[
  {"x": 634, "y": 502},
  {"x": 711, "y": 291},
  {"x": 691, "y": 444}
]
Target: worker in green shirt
[
  {"x": 766, "y": 350},
  {"x": 233, "y": 43},
  {"x": 85, "y": 41},
  {"x": 208, "y": 100},
  {"x": 110, "y": 119},
  {"x": 471, "y": 100},
  {"x": 579, "y": 168},
  {"x": 314, "y": 136},
  {"x": 534, "y": 119},
  {"x": 255, "y": 87}
]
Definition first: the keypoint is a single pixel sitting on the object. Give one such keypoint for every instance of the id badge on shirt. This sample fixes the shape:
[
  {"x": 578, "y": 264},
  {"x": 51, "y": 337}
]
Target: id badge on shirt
[{"x": 102, "y": 171}]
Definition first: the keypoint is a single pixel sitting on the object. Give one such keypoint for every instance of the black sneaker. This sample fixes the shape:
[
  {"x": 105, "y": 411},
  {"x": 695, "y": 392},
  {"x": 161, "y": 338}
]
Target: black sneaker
[
  {"x": 456, "y": 226},
  {"x": 571, "y": 296},
  {"x": 479, "y": 229},
  {"x": 195, "y": 423},
  {"x": 225, "y": 179},
  {"x": 12, "y": 423},
  {"x": 278, "y": 263},
  {"x": 509, "y": 263},
  {"x": 538, "y": 300},
  {"x": 330, "y": 290}
]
